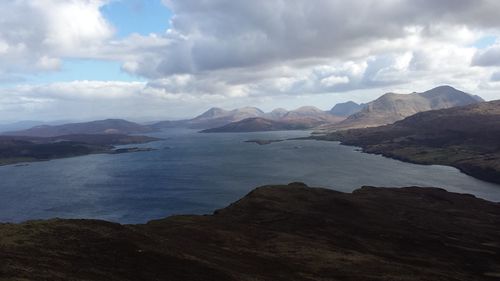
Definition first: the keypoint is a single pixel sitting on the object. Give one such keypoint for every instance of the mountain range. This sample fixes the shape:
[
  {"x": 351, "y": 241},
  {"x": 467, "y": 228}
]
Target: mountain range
[
  {"x": 303, "y": 117},
  {"x": 392, "y": 107},
  {"x": 387, "y": 109}
]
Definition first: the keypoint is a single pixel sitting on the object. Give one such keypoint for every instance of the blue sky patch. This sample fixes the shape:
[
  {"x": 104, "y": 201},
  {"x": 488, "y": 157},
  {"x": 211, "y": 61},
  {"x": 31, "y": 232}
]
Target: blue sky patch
[
  {"x": 485, "y": 42},
  {"x": 134, "y": 16},
  {"x": 85, "y": 69}
]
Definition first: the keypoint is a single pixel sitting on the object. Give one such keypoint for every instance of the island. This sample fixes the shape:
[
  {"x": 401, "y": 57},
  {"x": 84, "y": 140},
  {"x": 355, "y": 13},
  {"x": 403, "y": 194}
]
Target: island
[
  {"x": 263, "y": 142},
  {"x": 20, "y": 149}
]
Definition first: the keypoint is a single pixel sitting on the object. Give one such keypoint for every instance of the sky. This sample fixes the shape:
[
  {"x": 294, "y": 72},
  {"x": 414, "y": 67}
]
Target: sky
[{"x": 173, "y": 59}]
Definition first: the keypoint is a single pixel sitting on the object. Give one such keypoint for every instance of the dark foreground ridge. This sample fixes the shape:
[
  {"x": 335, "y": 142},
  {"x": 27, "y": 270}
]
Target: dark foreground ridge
[{"x": 274, "y": 233}]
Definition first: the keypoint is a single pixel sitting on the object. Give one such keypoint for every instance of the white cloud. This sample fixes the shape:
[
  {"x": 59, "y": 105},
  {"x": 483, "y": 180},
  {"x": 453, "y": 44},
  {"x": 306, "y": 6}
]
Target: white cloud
[
  {"x": 231, "y": 52},
  {"x": 258, "y": 48},
  {"x": 35, "y": 35},
  {"x": 48, "y": 63},
  {"x": 84, "y": 100},
  {"x": 488, "y": 57}
]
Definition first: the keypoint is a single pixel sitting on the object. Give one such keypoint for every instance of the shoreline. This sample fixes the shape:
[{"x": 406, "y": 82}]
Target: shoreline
[
  {"x": 474, "y": 171},
  {"x": 81, "y": 149}
]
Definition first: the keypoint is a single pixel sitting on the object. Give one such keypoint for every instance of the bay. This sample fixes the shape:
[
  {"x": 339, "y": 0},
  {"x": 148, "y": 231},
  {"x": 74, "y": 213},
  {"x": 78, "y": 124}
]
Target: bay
[{"x": 194, "y": 173}]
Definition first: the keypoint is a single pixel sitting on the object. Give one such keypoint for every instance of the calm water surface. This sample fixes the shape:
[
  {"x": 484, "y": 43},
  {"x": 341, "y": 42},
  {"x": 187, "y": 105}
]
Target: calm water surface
[{"x": 192, "y": 173}]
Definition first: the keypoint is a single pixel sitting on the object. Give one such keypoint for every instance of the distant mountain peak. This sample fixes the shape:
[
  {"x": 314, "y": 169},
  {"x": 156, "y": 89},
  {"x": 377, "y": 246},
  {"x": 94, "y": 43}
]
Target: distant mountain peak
[
  {"x": 211, "y": 113},
  {"x": 392, "y": 107},
  {"x": 307, "y": 108},
  {"x": 249, "y": 109},
  {"x": 346, "y": 108},
  {"x": 443, "y": 87},
  {"x": 279, "y": 109}
]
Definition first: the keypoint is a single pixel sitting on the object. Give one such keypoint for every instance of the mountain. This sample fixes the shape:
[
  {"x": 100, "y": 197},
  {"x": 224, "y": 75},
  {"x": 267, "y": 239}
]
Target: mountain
[
  {"x": 310, "y": 115},
  {"x": 391, "y": 107},
  {"x": 277, "y": 113},
  {"x": 284, "y": 232},
  {"x": 347, "y": 108},
  {"x": 108, "y": 126},
  {"x": 214, "y": 112},
  {"x": 305, "y": 117},
  {"x": 257, "y": 124},
  {"x": 215, "y": 117},
  {"x": 304, "y": 111},
  {"x": 463, "y": 137}
]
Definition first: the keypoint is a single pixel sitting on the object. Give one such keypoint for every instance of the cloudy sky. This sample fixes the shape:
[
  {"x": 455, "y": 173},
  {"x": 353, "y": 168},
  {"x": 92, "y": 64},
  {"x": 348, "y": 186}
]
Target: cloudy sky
[{"x": 153, "y": 59}]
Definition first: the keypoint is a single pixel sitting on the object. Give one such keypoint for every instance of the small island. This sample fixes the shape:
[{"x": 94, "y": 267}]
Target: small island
[
  {"x": 263, "y": 142},
  {"x": 131, "y": 149}
]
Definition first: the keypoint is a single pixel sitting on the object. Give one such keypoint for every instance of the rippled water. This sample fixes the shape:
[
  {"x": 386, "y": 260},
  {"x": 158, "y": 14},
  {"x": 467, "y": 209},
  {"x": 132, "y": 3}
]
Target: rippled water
[{"x": 192, "y": 173}]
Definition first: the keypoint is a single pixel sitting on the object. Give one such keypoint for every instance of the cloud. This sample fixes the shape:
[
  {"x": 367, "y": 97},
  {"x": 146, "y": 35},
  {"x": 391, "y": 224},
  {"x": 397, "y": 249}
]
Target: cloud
[
  {"x": 84, "y": 100},
  {"x": 35, "y": 35},
  {"x": 256, "y": 48},
  {"x": 488, "y": 57},
  {"x": 213, "y": 35},
  {"x": 495, "y": 77},
  {"x": 226, "y": 52}
]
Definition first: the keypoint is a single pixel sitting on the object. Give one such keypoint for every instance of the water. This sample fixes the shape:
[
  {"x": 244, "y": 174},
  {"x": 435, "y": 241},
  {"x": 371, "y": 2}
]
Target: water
[{"x": 192, "y": 173}]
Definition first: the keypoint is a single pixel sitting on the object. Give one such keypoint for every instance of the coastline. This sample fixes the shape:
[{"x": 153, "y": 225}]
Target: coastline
[
  {"x": 417, "y": 156},
  {"x": 62, "y": 150}
]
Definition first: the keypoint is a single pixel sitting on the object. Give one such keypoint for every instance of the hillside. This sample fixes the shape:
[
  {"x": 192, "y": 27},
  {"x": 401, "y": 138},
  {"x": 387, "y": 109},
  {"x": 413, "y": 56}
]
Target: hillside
[
  {"x": 274, "y": 233},
  {"x": 463, "y": 137},
  {"x": 257, "y": 125},
  {"x": 391, "y": 107},
  {"x": 108, "y": 126}
]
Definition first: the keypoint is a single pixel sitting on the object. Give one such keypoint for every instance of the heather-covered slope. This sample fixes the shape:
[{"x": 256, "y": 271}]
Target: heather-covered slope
[
  {"x": 464, "y": 137},
  {"x": 274, "y": 233}
]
